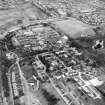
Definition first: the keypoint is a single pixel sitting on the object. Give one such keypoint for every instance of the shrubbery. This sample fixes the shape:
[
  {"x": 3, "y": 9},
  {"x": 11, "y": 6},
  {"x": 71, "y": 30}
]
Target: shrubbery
[{"x": 50, "y": 98}]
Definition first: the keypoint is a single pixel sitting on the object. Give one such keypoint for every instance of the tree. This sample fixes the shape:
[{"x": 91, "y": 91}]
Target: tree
[{"x": 50, "y": 98}]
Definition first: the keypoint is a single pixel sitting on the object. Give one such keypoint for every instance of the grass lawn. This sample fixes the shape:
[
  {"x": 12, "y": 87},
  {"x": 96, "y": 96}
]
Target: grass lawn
[
  {"x": 51, "y": 89},
  {"x": 73, "y": 27}
]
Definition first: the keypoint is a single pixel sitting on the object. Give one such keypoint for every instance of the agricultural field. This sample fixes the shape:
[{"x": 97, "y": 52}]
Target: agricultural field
[{"x": 74, "y": 28}]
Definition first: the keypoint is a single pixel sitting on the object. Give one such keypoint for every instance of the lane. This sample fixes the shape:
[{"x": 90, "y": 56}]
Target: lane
[
  {"x": 30, "y": 98},
  {"x": 10, "y": 85}
]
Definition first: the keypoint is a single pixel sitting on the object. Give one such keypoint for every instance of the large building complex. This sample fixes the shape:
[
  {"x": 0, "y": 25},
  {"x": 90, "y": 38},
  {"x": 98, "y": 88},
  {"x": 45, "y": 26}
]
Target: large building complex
[{"x": 52, "y": 52}]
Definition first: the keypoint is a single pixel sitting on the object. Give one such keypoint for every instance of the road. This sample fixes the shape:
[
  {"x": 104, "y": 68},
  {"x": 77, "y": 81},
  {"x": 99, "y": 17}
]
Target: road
[
  {"x": 59, "y": 92},
  {"x": 10, "y": 85},
  {"x": 30, "y": 99},
  {"x": 2, "y": 97},
  {"x": 91, "y": 88}
]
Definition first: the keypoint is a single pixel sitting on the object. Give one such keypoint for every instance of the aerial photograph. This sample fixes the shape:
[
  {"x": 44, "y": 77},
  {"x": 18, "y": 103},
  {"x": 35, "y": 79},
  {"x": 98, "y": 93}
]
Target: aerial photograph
[{"x": 52, "y": 52}]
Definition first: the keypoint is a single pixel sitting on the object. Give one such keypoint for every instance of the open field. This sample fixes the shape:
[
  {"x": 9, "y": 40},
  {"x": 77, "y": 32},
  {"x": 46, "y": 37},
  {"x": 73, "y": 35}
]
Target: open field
[
  {"x": 26, "y": 13},
  {"x": 40, "y": 97},
  {"x": 73, "y": 27}
]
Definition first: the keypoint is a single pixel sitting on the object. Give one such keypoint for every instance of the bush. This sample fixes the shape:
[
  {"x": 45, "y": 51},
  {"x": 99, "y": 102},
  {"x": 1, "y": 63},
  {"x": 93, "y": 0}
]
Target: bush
[{"x": 50, "y": 98}]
